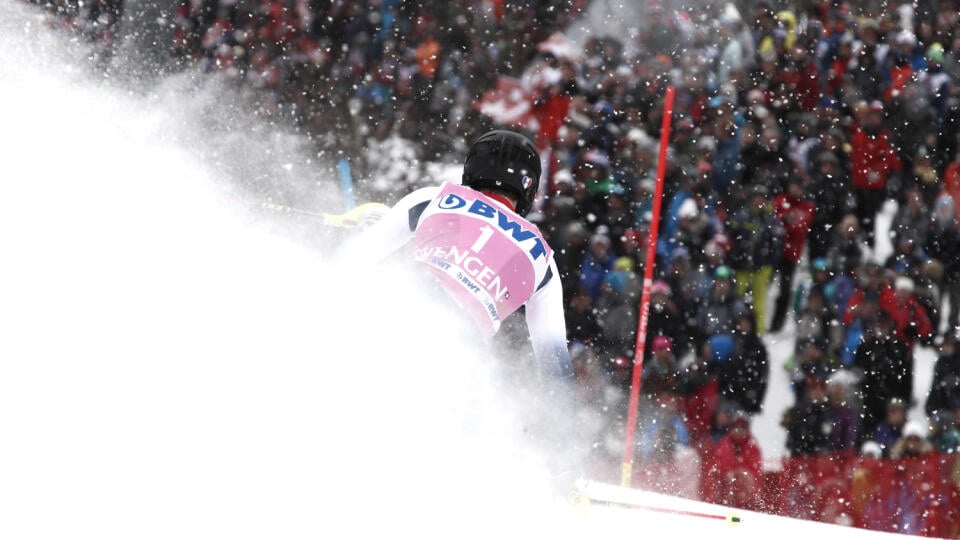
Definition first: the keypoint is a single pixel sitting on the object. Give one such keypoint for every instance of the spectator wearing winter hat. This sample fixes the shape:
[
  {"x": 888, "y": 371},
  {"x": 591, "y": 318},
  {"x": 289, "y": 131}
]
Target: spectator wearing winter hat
[
  {"x": 821, "y": 280},
  {"x": 911, "y": 218},
  {"x": 848, "y": 249},
  {"x": 817, "y": 321},
  {"x": 575, "y": 239},
  {"x": 907, "y": 258},
  {"x": 560, "y": 206},
  {"x": 757, "y": 238},
  {"x": 666, "y": 319},
  {"x": 873, "y": 281},
  {"x": 872, "y": 159},
  {"x": 742, "y": 379},
  {"x": 809, "y": 422},
  {"x": 672, "y": 212},
  {"x": 633, "y": 245},
  {"x": 935, "y": 82},
  {"x": 737, "y": 468},
  {"x": 809, "y": 358},
  {"x": 724, "y": 124},
  {"x": 617, "y": 311},
  {"x": 898, "y": 67},
  {"x": 844, "y": 417},
  {"x": 694, "y": 229},
  {"x": 718, "y": 312},
  {"x": 910, "y": 319},
  {"x": 678, "y": 275},
  {"x": 662, "y": 430},
  {"x": 916, "y": 127},
  {"x": 765, "y": 158},
  {"x": 699, "y": 389},
  {"x": 581, "y": 319},
  {"x": 891, "y": 428},
  {"x": 795, "y": 212},
  {"x": 914, "y": 441},
  {"x": 661, "y": 372},
  {"x": 945, "y": 432},
  {"x": 643, "y": 191},
  {"x": 597, "y": 263}
]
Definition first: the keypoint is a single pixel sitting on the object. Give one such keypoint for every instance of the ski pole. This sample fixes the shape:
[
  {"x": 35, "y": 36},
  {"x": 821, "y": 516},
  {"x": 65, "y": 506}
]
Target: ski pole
[
  {"x": 730, "y": 518},
  {"x": 347, "y": 220}
]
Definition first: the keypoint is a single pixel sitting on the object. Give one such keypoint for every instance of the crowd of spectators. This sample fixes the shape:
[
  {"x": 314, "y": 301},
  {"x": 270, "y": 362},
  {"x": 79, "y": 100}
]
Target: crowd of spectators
[
  {"x": 389, "y": 83},
  {"x": 793, "y": 129},
  {"x": 794, "y": 125}
]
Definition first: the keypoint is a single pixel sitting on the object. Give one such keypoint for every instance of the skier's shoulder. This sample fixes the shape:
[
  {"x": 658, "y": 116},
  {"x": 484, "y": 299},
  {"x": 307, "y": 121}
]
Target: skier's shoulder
[
  {"x": 414, "y": 203},
  {"x": 420, "y": 195}
]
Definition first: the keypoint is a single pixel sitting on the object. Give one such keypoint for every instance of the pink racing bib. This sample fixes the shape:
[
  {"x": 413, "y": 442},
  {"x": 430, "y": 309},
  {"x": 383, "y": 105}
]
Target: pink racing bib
[{"x": 489, "y": 258}]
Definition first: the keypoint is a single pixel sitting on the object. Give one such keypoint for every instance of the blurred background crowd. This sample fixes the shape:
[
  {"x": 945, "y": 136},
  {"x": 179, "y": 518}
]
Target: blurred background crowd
[{"x": 810, "y": 191}]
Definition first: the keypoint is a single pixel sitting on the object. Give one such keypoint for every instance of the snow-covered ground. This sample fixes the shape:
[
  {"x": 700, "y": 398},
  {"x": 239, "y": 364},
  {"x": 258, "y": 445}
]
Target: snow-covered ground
[{"x": 172, "y": 368}]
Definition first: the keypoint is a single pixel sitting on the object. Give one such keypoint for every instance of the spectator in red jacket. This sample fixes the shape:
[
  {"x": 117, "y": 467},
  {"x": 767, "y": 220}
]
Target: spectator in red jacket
[
  {"x": 737, "y": 467},
  {"x": 909, "y": 316},
  {"x": 873, "y": 159},
  {"x": 795, "y": 211}
]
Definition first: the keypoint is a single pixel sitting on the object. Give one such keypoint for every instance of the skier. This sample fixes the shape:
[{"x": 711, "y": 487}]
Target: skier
[{"x": 473, "y": 241}]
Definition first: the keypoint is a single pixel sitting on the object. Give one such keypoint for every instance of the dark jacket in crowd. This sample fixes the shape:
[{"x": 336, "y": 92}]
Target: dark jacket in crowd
[
  {"x": 945, "y": 386},
  {"x": 808, "y": 428},
  {"x": 885, "y": 362},
  {"x": 756, "y": 235},
  {"x": 743, "y": 377},
  {"x": 718, "y": 315},
  {"x": 943, "y": 244}
]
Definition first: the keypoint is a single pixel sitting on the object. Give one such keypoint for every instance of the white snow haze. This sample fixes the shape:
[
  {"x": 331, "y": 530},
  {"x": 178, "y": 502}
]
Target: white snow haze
[{"x": 170, "y": 367}]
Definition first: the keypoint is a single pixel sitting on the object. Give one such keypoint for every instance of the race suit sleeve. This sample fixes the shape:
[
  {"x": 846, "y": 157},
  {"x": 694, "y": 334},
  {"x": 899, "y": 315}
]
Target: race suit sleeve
[
  {"x": 547, "y": 327},
  {"x": 391, "y": 232}
]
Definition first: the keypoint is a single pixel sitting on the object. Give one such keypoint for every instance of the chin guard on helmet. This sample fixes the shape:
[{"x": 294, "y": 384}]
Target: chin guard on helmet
[{"x": 505, "y": 161}]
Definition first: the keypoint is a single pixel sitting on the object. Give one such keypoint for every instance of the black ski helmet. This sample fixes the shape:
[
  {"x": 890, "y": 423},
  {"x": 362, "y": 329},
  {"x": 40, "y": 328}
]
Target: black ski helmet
[{"x": 504, "y": 161}]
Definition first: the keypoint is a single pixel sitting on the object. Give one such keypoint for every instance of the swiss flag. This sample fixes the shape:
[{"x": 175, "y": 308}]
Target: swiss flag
[{"x": 509, "y": 104}]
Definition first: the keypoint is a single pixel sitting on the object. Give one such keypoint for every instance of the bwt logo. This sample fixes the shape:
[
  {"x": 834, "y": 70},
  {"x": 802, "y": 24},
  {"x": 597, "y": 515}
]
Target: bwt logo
[
  {"x": 501, "y": 220},
  {"x": 452, "y": 202}
]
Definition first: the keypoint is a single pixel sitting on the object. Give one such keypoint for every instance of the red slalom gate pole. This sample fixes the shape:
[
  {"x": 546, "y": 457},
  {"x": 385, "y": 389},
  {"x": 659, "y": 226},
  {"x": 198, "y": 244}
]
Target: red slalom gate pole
[{"x": 626, "y": 472}]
